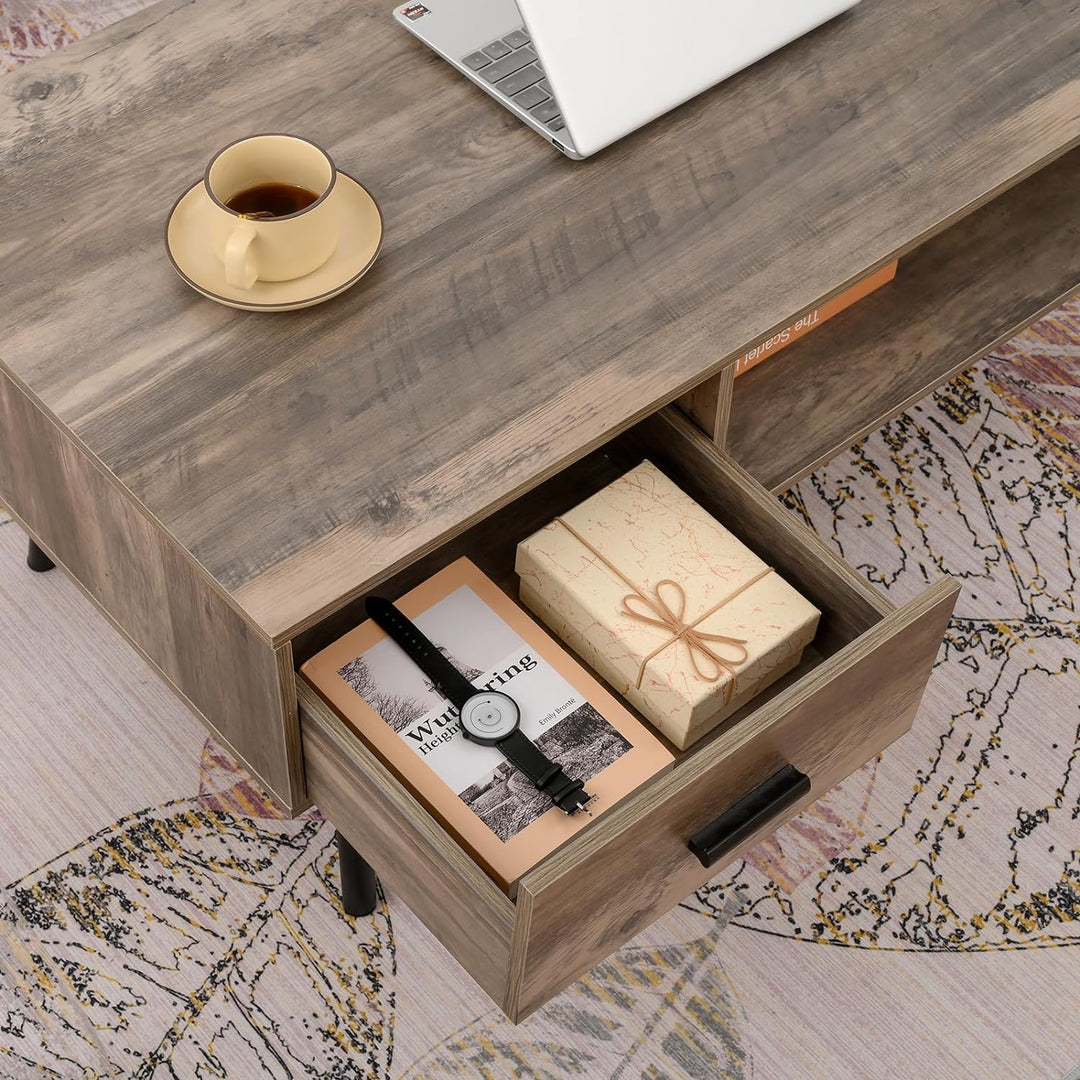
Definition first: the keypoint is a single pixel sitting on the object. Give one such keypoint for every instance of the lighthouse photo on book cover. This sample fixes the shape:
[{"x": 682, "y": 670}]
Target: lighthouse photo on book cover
[{"x": 491, "y": 655}]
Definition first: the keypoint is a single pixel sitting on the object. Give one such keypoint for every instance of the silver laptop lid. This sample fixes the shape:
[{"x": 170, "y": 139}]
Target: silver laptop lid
[{"x": 615, "y": 67}]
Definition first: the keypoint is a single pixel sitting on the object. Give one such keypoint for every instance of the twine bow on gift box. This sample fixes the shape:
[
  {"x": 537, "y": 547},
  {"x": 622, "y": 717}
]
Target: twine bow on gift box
[
  {"x": 669, "y": 619},
  {"x": 658, "y": 612}
]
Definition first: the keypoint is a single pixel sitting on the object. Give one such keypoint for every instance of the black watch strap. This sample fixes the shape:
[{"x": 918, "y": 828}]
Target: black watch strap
[
  {"x": 568, "y": 795},
  {"x": 420, "y": 650}
]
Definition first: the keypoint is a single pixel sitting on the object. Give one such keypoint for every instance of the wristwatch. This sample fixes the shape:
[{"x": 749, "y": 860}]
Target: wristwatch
[{"x": 488, "y": 717}]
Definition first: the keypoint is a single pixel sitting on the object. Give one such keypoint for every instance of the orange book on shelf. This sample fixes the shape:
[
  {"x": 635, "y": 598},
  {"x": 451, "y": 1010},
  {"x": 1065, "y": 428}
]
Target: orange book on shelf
[{"x": 771, "y": 346}]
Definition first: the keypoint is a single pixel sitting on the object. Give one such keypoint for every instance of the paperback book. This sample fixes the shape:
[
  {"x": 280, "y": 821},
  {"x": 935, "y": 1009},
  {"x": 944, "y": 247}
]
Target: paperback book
[
  {"x": 812, "y": 319},
  {"x": 494, "y": 811}
]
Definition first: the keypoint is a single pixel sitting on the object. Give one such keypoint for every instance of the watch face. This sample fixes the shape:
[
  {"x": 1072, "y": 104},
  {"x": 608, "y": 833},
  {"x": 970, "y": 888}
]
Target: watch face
[{"x": 489, "y": 716}]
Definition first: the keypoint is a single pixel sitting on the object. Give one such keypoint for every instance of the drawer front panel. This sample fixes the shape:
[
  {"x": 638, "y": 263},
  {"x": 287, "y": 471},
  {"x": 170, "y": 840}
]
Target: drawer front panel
[
  {"x": 581, "y": 905},
  {"x": 409, "y": 850}
]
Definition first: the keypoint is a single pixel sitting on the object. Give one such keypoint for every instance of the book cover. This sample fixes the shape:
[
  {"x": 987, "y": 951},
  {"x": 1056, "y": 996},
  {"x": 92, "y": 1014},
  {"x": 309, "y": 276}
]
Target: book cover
[
  {"x": 771, "y": 346},
  {"x": 495, "y": 812}
]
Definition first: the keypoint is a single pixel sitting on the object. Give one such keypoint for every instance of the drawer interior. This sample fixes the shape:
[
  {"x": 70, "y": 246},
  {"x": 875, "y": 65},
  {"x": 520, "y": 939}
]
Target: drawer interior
[
  {"x": 821, "y": 714},
  {"x": 848, "y": 606}
]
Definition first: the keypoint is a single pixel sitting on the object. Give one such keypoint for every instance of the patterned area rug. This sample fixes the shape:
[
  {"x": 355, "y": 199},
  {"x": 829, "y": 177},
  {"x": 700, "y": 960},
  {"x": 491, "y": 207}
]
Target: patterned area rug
[
  {"x": 920, "y": 921},
  {"x": 29, "y": 29}
]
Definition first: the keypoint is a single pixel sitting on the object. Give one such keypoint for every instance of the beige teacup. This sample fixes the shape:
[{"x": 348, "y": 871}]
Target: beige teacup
[{"x": 259, "y": 245}]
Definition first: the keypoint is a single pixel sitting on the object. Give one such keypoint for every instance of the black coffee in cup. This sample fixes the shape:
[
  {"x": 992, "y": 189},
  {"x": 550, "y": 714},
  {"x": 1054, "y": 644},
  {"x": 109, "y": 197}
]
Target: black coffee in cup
[{"x": 271, "y": 200}]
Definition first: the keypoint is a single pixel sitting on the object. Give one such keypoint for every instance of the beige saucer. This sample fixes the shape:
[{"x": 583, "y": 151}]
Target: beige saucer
[{"x": 187, "y": 243}]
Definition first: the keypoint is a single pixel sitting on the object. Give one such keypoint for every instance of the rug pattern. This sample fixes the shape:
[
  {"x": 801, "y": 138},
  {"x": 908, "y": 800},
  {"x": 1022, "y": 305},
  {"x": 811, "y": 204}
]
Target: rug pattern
[
  {"x": 29, "y": 30},
  {"x": 648, "y": 1012},
  {"x": 980, "y": 482},
  {"x": 166, "y": 944}
]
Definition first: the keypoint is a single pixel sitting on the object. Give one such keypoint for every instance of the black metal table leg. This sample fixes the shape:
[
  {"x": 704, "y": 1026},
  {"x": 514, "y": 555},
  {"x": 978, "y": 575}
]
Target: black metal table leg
[
  {"x": 37, "y": 560},
  {"x": 357, "y": 880}
]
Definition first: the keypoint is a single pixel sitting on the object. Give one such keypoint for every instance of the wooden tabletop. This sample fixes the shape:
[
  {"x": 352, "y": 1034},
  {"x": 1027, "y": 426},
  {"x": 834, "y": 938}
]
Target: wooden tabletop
[{"x": 524, "y": 307}]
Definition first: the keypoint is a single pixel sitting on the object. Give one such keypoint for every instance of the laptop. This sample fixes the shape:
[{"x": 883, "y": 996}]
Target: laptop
[{"x": 583, "y": 73}]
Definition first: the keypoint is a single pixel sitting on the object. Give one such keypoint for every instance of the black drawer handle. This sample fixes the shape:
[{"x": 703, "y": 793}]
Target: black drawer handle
[{"x": 753, "y": 810}]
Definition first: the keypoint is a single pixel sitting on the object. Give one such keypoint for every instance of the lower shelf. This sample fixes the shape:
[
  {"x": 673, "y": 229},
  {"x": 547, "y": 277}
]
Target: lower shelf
[{"x": 954, "y": 299}]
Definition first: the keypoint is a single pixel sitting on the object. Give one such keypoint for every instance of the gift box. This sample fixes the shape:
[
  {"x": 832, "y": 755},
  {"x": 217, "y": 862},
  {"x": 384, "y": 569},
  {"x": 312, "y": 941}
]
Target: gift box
[{"x": 675, "y": 612}]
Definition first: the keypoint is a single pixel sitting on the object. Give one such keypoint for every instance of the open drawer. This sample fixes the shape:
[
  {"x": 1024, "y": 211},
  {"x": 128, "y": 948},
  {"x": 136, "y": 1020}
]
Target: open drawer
[{"x": 855, "y": 691}]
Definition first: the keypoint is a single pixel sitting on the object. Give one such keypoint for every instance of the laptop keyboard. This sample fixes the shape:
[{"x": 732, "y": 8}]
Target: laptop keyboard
[{"x": 510, "y": 63}]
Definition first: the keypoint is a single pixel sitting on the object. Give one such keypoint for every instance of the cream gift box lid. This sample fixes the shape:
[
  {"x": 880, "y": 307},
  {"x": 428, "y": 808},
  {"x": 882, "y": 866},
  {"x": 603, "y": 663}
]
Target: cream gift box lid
[{"x": 641, "y": 534}]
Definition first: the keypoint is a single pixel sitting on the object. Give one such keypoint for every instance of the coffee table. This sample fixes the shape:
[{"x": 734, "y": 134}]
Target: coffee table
[{"x": 225, "y": 486}]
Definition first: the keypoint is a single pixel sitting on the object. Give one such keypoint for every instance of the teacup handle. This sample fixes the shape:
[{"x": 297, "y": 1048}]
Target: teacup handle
[{"x": 240, "y": 269}]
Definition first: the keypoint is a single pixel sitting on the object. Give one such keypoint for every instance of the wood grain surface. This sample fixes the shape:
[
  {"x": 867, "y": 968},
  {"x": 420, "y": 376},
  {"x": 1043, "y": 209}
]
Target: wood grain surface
[
  {"x": 407, "y": 847},
  {"x": 149, "y": 588},
  {"x": 524, "y": 306},
  {"x": 709, "y": 404},
  {"x": 954, "y": 299},
  {"x": 849, "y": 605},
  {"x": 583, "y": 903}
]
